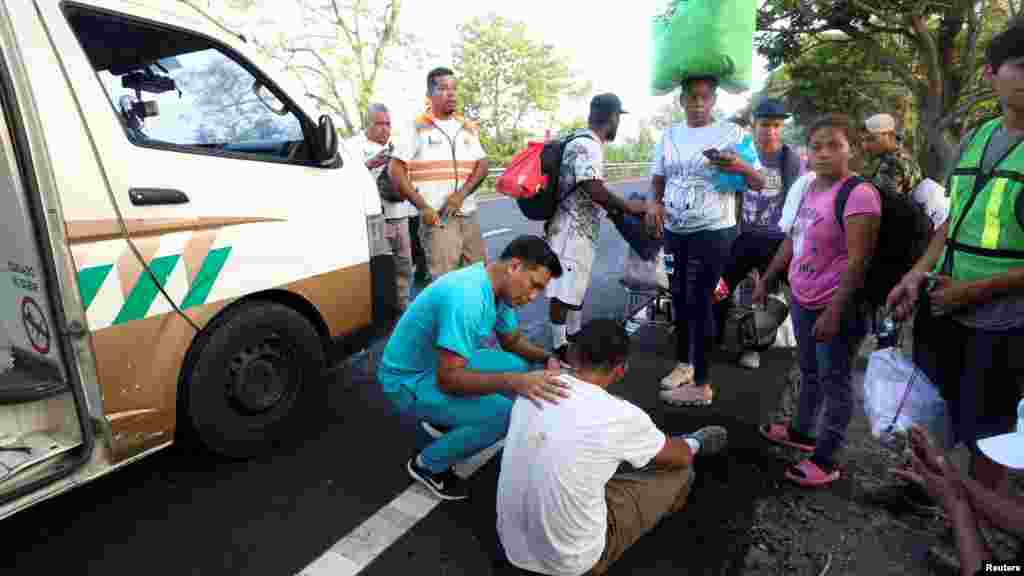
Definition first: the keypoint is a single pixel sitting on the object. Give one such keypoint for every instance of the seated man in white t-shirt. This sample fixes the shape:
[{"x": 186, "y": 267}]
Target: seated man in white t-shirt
[{"x": 563, "y": 507}]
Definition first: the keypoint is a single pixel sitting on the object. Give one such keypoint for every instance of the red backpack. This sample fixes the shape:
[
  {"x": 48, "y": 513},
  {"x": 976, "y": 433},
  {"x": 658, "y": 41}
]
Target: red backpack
[{"x": 523, "y": 178}]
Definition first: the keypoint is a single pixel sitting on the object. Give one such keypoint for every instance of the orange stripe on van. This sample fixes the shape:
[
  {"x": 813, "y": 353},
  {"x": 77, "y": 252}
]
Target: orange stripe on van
[{"x": 81, "y": 231}]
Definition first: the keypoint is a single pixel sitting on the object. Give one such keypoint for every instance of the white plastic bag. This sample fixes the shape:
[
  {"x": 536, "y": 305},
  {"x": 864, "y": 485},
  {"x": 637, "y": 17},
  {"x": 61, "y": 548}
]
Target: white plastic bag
[
  {"x": 931, "y": 197},
  {"x": 898, "y": 395},
  {"x": 640, "y": 274}
]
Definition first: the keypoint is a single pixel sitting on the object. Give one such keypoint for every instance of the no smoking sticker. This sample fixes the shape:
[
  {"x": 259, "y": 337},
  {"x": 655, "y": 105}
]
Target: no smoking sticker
[{"x": 36, "y": 328}]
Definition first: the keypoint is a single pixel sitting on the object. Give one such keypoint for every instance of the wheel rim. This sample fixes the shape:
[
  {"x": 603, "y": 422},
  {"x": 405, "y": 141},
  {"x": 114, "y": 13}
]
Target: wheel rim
[{"x": 262, "y": 377}]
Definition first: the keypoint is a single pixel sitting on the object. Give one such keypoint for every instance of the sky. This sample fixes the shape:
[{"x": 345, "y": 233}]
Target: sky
[{"x": 605, "y": 43}]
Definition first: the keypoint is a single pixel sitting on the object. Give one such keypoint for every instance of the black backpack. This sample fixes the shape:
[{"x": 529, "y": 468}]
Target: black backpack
[
  {"x": 903, "y": 238},
  {"x": 543, "y": 205}
]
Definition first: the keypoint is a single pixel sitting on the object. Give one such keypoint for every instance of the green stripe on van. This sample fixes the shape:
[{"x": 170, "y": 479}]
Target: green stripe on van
[
  {"x": 90, "y": 280},
  {"x": 212, "y": 265},
  {"x": 145, "y": 291}
]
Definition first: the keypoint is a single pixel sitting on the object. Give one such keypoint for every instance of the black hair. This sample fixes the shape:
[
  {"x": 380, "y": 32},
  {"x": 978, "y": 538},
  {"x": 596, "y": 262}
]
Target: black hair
[
  {"x": 1006, "y": 45},
  {"x": 689, "y": 81},
  {"x": 535, "y": 251},
  {"x": 439, "y": 72},
  {"x": 840, "y": 122},
  {"x": 602, "y": 344}
]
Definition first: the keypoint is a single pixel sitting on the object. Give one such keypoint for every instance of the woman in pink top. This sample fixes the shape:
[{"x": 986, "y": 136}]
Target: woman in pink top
[{"x": 826, "y": 264}]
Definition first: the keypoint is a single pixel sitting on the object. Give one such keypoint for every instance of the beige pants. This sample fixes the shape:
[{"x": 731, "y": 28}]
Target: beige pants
[
  {"x": 637, "y": 501},
  {"x": 397, "y": 233},
  {"x": 452, "y": 246}
]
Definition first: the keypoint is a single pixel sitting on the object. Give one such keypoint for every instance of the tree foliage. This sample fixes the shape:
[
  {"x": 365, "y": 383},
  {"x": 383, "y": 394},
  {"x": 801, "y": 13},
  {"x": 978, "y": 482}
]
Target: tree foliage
[
  {"x": 509, "y": 82},
  {"x": 338, "y": 51},
  {"x": 918, "y": 59}
]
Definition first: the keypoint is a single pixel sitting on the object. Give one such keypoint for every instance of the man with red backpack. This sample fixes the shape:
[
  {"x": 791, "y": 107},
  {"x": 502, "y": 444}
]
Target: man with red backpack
[{"x": 573, "y": 230}]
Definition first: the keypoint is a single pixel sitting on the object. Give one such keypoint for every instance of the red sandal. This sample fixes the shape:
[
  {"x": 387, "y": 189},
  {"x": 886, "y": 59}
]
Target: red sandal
[
  {"x": 810, "y": 475},
  {"x": 779, "y": 434}
]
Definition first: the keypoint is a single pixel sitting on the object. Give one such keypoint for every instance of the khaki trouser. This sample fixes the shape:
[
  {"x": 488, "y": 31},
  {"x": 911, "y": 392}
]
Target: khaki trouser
[
  {"x": 396, "y": 231},
  {"x": 452, "y": 246},
  {"x": 637, "y": 501}
]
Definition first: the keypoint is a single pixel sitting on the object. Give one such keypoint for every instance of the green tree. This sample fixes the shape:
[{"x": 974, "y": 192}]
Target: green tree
[
  {"x": 509, "y": 82},
  {"x": 338, "y": 52},
  {"x": 922, "y": 56}
]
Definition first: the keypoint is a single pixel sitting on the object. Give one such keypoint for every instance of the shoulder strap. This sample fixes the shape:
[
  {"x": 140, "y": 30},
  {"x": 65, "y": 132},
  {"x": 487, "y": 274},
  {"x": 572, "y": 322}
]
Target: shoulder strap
[{"x": 843, "y": 195}]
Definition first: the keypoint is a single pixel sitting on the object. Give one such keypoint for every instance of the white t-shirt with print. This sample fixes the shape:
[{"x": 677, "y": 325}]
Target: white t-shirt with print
[
  {"x": 692, "y": 203},
  {"x": 426, "y": 148},
  {"x": 362, "y": 147},
  {"x": 552, "y": 515},
  {"x": 578, "y": 218}
]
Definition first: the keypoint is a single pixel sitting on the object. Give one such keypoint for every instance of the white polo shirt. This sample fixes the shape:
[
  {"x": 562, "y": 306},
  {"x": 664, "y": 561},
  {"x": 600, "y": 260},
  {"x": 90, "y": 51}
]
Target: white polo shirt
[{"x": 440, "y": 155}]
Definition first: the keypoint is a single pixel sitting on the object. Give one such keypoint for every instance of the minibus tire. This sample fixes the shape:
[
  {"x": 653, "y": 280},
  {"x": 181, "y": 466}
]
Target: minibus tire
[{"x": 253, "y": 374}]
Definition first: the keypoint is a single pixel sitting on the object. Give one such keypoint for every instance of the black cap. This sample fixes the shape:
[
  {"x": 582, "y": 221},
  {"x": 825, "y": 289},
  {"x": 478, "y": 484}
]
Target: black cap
[
  {"x": 1006, "y": 45},
  {"x": 604, "y": 105},
  {"x": 770, "y": 108}
]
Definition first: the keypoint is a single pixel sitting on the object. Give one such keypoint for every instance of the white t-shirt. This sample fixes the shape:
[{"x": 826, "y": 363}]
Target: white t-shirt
[
  {"x": 793, "y": 199},
  {"x": 578, "y": 214},
  {"x": 692, "y": 203},
  {"x": 362, "y": 147},
  {"x": 552, "y": 515}
]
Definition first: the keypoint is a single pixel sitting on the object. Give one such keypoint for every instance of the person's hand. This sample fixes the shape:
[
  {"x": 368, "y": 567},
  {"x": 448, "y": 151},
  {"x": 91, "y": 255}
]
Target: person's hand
[
  {"x": 729, "y": 161},
  {"x": 945, "y": 487},
  {"x": 637, "y": 208},
  {"x": 430, "y": 217},
  {"x": 948, "y": 295},
  {"x": 655, "y": 219},
  {"x": 827, "y": 326},
  {"x": 903, "y": 297},
  {"x": 921, "y": 445},
  {"x": 541, "y": 385},
  {"x": 452, "y": 204},
  {"x": 760, "y": 296}
]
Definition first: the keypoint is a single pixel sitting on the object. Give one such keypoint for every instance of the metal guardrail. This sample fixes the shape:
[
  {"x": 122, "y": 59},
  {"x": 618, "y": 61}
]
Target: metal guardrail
[{"x": 613, "y": 171}]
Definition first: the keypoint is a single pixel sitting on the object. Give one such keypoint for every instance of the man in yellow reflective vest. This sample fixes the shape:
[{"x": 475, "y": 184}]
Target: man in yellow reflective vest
[{"x": 968, "y": 288}]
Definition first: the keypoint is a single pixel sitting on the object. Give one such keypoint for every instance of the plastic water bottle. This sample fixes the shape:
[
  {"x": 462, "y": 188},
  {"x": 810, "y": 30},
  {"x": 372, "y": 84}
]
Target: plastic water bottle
[
  {"x": 1020, "y": 416},
  {"x": 670, "y": 263}
]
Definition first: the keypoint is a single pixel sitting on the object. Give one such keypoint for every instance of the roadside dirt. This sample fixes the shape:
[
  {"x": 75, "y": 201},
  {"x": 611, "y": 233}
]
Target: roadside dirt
[{"x": 863, "y": 524}]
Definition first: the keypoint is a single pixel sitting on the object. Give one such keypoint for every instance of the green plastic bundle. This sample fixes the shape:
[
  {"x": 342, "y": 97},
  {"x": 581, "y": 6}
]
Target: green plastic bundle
[{"x": 705, "y": 38}]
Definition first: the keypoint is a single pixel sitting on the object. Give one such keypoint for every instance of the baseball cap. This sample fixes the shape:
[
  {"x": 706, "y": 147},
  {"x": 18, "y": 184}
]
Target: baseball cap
[
  {"x": 1007, "y": 449},
  {"x": 606, "y": 104},
  {"x": 770, "y": 108},
  {"x": 1006, "y": 45},
  {"x": 880, "y": 124}
]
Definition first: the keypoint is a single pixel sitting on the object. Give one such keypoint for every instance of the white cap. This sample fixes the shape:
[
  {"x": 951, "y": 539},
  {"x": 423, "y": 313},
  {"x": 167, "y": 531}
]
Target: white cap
[
  {"x": 880, "y": 123},
  {"x": 1005, "y": 449}
]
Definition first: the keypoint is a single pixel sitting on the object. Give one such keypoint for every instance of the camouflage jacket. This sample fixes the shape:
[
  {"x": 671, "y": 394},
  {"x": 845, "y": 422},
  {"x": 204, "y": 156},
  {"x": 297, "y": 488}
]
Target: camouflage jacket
[{"x": 897, "y": 172}]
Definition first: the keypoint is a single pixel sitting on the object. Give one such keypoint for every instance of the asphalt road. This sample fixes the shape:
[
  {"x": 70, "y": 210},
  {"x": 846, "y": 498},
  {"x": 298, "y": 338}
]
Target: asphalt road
[{"x": 180, "y": 513}]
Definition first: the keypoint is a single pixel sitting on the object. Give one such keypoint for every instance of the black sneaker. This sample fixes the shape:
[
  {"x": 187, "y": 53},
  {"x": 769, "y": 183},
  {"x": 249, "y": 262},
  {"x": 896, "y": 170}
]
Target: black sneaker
[
  {"x": 713, "y": 439},
  {"x": 445, "y": 485}
]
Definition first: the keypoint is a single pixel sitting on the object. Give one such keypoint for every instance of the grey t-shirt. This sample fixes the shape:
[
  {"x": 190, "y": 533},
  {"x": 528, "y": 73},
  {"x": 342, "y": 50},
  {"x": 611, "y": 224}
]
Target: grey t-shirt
[
  {"x": 762, "y": 209},
  {"x": 1006, "y": 312}
]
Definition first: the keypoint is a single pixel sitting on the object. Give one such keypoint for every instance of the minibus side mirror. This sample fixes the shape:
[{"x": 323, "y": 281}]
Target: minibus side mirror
[{"x": 326, "y": 137}]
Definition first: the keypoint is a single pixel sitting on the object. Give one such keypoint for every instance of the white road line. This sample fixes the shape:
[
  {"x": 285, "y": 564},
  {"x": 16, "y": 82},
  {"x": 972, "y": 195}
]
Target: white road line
[
  {"x": 498, "y": 232},
  {"x": 350, "y": 555}
]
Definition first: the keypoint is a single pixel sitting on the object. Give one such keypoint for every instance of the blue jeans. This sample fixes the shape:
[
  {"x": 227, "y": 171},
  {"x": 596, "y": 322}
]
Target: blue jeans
[
  {"x": 825, "y": 369},
  {"x": 474, "y": 422},
  {"x": 699, "y": 262}
]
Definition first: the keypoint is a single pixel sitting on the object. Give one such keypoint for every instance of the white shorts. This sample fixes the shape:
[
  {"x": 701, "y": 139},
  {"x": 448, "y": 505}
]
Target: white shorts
[{"x": 576, "y": 255}]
